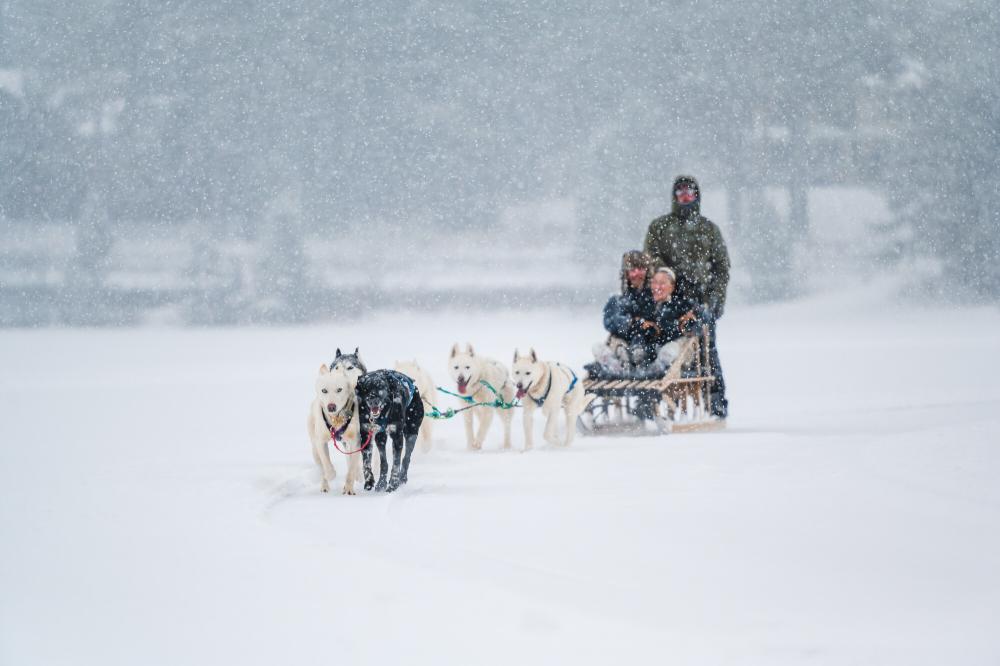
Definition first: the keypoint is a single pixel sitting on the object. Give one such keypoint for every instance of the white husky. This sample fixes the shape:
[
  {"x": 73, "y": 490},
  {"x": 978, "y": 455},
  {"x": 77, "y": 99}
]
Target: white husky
[
  {"x": 333, "y": 416},
  {"x": 428, "y": 391},
  {"x": 469, "y": 371},
  {"x": 550, "y": 387}
]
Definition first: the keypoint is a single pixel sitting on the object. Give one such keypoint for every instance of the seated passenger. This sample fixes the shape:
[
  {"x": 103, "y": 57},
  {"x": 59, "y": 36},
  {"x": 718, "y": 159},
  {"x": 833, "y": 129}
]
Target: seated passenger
[
  {"x": 625, "y": 314},
  {"x": 674, "y": 317}
]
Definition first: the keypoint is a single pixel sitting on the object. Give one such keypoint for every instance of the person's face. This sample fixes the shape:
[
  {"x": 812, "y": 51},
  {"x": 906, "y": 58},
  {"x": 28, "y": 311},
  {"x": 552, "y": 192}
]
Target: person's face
[
  {"x": 662, "y": 286},
  {"x": 636, "y": 276},
  {"x": 685, "y": 194}
]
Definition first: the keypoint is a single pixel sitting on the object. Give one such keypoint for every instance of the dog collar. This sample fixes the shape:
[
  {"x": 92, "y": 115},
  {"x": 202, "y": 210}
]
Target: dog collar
[{"x": 377, "y": 425}]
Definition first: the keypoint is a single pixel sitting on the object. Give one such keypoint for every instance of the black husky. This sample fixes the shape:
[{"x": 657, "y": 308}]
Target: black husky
[{"x": 388, "y": 403}]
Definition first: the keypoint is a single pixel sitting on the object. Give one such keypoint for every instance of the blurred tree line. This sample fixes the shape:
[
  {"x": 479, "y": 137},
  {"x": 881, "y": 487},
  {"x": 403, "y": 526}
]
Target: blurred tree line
[{"x": 437, "y": 115}]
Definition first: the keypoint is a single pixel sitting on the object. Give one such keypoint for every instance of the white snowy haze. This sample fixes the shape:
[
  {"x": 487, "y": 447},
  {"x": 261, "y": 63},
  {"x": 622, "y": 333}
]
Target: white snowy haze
[
  {"x": 201, "y": 200},
  {"x": 234, "y": 161}
]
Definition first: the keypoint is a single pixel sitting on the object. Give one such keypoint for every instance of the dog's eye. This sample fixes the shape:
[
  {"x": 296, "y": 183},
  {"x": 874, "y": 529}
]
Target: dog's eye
[
  {"x": 350, "y": 367},
  {"x": 456, "y": 367},
  {"x": 466, "y": 367},
  {"x": 340, "y": 390},
  {"x": 324, "y": 390}
]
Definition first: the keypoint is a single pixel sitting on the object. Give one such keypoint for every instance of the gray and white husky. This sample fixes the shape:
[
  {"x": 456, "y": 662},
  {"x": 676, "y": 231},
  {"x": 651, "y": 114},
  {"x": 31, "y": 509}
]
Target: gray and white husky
[
  {"x": 468, "y": 371},
  {"x": 349, "y": 364},
  {"x": 550, "y": 387}
]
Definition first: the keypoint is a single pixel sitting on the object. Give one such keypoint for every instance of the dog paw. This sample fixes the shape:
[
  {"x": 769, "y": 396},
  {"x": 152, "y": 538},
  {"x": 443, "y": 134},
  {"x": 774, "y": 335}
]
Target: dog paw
[
  {"x": 393, "y": 485},
  {"x": 369, "y": 484},
  {"x": 348, "y": 491},
  {"x": 325, "y": 487},
  {"x": 380, "y": 486}
]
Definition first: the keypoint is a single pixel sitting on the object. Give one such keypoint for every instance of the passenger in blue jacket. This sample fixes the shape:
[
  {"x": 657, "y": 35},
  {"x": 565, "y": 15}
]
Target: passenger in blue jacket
[
  {"x": 628, "y": 315},
  {"x": 674, "y": 317}
]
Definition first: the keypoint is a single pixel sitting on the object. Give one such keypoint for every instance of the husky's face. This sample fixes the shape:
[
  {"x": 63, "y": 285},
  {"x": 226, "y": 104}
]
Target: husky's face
[
  {"x": 334, "y": 390},
  {"x": 525, "y": 372},
  {"x": 463, "y": 366},
  {"x": 349, "y": 364},
  {"x": 376, "y": 394}
]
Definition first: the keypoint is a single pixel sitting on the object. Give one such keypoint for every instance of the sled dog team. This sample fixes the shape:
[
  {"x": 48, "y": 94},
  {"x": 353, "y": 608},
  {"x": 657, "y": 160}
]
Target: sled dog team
[{"x": 356, "y": 410}]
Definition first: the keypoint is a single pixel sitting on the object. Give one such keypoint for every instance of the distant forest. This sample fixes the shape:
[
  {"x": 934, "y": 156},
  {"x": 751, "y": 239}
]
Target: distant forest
[{"x": 167, "y": 112}]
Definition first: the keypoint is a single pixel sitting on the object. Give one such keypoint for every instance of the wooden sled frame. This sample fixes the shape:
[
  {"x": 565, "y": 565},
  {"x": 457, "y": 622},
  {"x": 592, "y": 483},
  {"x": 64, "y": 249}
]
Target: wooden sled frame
[{"x": 683, "y": 397}]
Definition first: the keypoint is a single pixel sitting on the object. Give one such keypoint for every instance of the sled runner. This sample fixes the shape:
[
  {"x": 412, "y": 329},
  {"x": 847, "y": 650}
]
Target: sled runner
[{"x": 679, "y": 401}]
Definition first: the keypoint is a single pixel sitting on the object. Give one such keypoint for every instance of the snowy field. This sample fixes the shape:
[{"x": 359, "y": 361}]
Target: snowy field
[{"x": 159, "y": 504}]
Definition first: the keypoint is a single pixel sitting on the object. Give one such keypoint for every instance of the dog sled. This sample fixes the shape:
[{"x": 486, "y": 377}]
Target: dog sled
[{"x": 679, "y": 401}]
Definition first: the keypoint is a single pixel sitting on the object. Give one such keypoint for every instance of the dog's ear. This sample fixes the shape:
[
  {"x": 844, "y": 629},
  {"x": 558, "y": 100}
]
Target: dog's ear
[
  {"x": 355, "y": 351},
  {"x": 515, "y": 355},
  {"x": 454, "y": 350},
  {"x": 534, "y": 356},
  {"x": 323, "y": 370},
  {"x": 337, "y": 355},
  {"x": 472, "y": 352}
]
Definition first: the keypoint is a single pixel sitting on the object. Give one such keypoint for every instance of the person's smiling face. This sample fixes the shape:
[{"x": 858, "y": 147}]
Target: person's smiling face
[{"x": 662, "y": 287}]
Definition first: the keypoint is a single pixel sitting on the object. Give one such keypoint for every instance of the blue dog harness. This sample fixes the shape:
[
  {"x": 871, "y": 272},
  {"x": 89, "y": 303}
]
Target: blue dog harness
[{"x": 541, "y": 401}]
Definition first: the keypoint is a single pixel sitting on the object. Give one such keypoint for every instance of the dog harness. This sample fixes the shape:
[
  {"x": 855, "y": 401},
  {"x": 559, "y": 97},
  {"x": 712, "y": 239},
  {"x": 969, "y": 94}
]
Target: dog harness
[
  {"x": 541, "y": 401},
  {"x": 410, "y": 388},
  {"x": 337, "y": 433}
]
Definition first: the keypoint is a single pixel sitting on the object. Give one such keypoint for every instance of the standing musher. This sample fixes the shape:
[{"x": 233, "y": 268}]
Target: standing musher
[{"x": 692, "y": 245}]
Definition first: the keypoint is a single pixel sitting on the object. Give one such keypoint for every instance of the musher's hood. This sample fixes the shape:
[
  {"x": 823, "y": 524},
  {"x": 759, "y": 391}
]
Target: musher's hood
[{"x": 690, "y": 209}]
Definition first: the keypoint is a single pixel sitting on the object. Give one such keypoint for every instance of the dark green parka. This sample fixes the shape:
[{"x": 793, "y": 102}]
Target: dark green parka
[{"x": 692, "y": 246}]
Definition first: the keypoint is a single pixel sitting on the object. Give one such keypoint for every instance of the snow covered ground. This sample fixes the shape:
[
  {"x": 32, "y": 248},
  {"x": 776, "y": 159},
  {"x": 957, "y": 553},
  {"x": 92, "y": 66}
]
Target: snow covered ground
[{"x": 159, "y": 504}]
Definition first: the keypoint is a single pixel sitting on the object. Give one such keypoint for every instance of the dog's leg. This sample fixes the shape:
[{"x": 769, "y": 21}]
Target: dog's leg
[
  {"x": 425, "y": 435},
  {"x": 574, "y": 407},
  {"x": 411, "y": 443},
  {"x": 528, "y": 420},
  {"x": 383, "y": 466},
  {"x": 485, "y": 418},
  {"x": 321, "y": 453},
  {"x": 571, "y": 416},
  {"x": 551, "y": 433},
  {"x": 397, "y": 457},
  {"x": 366, "y": 456},
  {"x": 353, "y": 468},
  {"x": 507, "y": 420},
  {"x": 470, "y": 440}
]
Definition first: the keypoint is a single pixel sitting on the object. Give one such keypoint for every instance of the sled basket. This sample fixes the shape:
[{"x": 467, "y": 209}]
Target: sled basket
[{"x": 679, "y": 401}]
